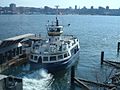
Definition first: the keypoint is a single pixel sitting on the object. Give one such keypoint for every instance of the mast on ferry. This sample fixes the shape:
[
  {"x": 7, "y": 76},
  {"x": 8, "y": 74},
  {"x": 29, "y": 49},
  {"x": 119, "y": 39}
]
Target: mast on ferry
[
  {"x": 57, "y": 23},
  {"x": 56, "y": 9},
  {"x": 55, "y": 30}
]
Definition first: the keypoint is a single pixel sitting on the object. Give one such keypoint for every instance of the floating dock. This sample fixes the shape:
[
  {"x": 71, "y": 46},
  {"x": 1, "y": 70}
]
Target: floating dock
[{"x": 13, "y": 51}]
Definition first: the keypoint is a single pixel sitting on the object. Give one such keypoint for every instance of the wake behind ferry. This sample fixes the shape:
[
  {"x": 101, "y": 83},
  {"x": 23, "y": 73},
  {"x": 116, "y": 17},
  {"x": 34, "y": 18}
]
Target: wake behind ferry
[{"x": 55, "y": 51}]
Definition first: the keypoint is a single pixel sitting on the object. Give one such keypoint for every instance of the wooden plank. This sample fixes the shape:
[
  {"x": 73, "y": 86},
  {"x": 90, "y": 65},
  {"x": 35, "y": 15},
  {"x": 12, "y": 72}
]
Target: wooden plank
[
  {"x": 98, "y": 84},
  {"x": 113, "y": 64},
  {"x": 81, "y": 83}
]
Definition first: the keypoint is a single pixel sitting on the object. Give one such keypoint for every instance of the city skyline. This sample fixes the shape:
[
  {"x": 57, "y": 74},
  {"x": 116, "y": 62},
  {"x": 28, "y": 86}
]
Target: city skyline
[{"x": 113, "y": 4}]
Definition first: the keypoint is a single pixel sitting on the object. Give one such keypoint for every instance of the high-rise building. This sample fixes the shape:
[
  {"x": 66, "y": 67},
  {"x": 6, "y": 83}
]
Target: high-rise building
[
  {"x": 13, "y": 8},
  {"x": 107, "y": 7},
  {"x": 92, "y": 7},
  {"x": 75, "y": 7},
  {"x": 70, "y": 7}
]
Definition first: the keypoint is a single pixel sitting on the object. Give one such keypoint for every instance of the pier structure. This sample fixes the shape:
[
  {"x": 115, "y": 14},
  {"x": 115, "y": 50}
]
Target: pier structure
[
  {"x": 10, "y": 83},
  {"x": 12, "y": 52}
]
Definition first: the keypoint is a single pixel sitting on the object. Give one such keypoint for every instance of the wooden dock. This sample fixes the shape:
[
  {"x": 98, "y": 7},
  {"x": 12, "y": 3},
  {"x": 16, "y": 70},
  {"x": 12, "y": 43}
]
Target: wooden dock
[
  {"x": 83, "y": 82},
  {"x": 14, "y": 51},
  {"x": 116, "y": 64},
  {"x": 14, "y": 62}
]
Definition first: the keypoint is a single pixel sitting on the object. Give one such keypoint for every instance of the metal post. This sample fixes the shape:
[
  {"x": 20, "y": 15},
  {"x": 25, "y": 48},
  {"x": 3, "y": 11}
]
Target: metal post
[
  {"x": 72, "y": 74},
  {"x": 102, "y": 57}
]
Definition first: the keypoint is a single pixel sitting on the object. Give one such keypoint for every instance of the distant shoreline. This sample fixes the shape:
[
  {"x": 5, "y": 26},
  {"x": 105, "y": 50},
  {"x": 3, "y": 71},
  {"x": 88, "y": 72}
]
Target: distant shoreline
[
  {"x": 60, "y": 15},
  {"x": 14, "y": 10}
]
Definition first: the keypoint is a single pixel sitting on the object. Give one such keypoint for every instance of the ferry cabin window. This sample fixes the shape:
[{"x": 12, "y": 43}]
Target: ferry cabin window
[
  {"x": 72, "y": 52},
  {"x": 60, "y": 48},
  {"x": 68, "y": 54},
  {"x": 65, "y": 55},
  {"x": 58, "y": 29},
  {"x": 60, "y": 57},
  {"x": 75, "y": 50},
  {"x": 51, "y": 30},
  {"x": 40, "y": 60},
  {"x": 31, "y": 56},
  {"x": 52, "y": 58},
  {"x": 35, "y": 57},
  {"x": 45, "y": 58}
]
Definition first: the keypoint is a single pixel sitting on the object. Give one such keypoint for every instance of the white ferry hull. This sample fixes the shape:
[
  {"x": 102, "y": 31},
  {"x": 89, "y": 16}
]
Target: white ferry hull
[{"x": 57, "y": 66}]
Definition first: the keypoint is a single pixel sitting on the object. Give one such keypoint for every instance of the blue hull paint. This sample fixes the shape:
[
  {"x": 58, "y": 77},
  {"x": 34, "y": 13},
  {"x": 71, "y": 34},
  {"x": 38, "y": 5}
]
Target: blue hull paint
[{"x": 57, "y": 66}]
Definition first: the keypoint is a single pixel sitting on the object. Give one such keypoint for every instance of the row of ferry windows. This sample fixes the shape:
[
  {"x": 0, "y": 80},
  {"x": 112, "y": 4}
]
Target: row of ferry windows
[{"x": 52, "y": 58}]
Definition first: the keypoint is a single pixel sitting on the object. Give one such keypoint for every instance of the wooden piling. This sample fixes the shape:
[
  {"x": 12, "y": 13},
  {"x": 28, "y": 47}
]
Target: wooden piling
[
  {"x": 73, "y": 79},
  {"x": 118, "y": 47},
  {"x": 102, "y": 57},
  {"x": 72, "y": 74}
]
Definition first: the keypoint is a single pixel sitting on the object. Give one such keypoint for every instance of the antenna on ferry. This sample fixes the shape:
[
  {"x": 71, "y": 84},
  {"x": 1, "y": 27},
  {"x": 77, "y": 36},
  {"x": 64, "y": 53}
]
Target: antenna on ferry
[
  {"x": 56, "y": 14},
  {"x": 56, "y": 9}
]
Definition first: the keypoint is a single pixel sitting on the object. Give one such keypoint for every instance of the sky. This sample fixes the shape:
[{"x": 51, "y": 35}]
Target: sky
[{"x": 63, "y": 3}]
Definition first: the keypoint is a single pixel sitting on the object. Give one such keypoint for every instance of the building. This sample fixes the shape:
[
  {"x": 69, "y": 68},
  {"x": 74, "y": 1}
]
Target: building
[
  {"x": 12, "y": 52},
  {"x": 92, "y": 7},
  {"x": 107, "y": 7},
  {"x": 10, "y": 83},
  {"x": 75, "y": 7},
  {"x": 0, "y": 10},
  {"x": 13, "y": 9}
]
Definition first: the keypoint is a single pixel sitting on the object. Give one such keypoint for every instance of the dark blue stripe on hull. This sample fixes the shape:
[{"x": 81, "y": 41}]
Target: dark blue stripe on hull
[{"x": 57, "y": 65}]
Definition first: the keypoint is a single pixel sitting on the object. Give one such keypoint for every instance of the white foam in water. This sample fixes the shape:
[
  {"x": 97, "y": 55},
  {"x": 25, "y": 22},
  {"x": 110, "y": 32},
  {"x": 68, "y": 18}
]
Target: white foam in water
[
  {"x": 38, "y": 80},
  {"x": 43, "y": 73}
]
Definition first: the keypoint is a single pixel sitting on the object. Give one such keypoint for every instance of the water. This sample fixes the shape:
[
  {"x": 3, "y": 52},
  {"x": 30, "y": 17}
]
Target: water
[{"x": 96, "y": 34}]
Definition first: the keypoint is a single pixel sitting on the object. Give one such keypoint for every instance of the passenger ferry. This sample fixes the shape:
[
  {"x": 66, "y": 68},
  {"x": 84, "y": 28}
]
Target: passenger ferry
[{"x": 55, "y": 51}]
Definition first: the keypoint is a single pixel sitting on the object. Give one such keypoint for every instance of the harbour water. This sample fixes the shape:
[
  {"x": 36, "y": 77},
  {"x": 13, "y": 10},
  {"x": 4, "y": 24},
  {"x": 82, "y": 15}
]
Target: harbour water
[{"x": 96, "y": 34}]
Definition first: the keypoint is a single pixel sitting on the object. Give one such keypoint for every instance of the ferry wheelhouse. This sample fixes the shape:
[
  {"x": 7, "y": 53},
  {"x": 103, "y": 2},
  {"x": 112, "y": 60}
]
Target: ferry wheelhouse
[{"x": 56, "y": 51}]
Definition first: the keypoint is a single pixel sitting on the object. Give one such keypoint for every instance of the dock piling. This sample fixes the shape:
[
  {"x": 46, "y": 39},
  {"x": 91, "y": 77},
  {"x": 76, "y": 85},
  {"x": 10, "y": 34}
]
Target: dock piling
[
  {"x": 102, "y": 57},
  {"x": 72, "y": 74},
  {"x": 118, "y": 47},
  {"x": 74, "y": 79}
]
